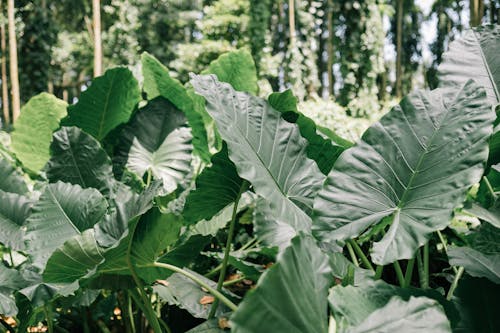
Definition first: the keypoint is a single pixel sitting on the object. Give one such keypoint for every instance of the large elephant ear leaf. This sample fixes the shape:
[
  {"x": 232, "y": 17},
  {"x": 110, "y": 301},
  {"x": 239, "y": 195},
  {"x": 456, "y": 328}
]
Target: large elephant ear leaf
[
  {"x": 12, "y": 281},
  {"x": 291, "y": 296},
  {"x": 107, "y": 103},
  {"x": 474, "y": 56},
  {"x": 62, "y": 212},
  {"x": 156, "y": 140},
  {"x": 408, "y": 172},
  {"x": 268, "y": 151},
  {"x": 78, "y": 158},
  {"x": 33, "y": 130},
  {"x": 158, "y": 82}
]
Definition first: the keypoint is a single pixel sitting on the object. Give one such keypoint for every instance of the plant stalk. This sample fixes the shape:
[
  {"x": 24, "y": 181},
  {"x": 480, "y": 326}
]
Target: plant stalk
[
  {"x": 352, "y": 254},
  {"x": 455, "y": 283},
  {"x": 426, "y": 266},
  {"x": 445, "y": 246},
  {"x": 48, "y": 316},
  {"x": 227, "y": 250},
  {"x": 490, "y": 188},
  {"x": 409, "y": 271},
  {"x": 361, "y": 255},
  {"x": 231, "y": 282},
  {"x": 149, "y": 313},
  {"x": 378, "y": 272},
  {"x": 399, "y": 273},
  {"x": 199, "y": 281}
]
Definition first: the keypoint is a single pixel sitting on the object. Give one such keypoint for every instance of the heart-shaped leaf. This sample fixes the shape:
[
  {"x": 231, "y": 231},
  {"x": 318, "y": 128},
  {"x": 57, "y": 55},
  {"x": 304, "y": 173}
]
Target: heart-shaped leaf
[{"x": 409, "y": 171}]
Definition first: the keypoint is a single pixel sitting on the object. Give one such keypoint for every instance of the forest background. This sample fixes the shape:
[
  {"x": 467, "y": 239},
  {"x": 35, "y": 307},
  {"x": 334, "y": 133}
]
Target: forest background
[{"x": 346, "y": 61}]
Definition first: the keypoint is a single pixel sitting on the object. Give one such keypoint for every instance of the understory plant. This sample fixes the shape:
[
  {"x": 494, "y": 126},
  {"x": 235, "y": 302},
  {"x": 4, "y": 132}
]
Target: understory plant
[{"x": 203, "y": 208}]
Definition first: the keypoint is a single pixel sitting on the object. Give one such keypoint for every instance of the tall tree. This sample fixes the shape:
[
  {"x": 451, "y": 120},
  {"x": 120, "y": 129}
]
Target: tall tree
[
  {"x": 399, "y": 48},
  {"x": 96, "y": 22},
  {"x": 14, "y": 77},
  {"x": 476, "y": 9},
  {"x": 5, "y": 88}
]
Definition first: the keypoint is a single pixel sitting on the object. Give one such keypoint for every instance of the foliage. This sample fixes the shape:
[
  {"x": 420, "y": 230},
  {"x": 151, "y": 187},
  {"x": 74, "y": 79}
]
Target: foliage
[{"x": 114, "y": 215}]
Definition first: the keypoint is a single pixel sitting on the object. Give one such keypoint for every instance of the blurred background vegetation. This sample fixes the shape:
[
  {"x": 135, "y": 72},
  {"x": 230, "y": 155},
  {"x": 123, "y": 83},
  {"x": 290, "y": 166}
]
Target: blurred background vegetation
[{"x": 347, "y": 61}]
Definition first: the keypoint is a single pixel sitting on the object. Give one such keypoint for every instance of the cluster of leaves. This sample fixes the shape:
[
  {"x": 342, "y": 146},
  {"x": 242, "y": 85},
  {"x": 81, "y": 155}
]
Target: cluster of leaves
[{"x": 117, "y": 201}]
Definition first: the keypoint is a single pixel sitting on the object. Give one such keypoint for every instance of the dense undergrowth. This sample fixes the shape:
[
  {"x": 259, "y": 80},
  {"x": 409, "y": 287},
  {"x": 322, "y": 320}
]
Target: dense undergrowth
[{"x": 203, "y": 208}]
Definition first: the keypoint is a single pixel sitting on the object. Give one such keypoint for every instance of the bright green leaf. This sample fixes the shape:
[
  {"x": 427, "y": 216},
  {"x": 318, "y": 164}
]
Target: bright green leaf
[
  {"x": 33, "y": 130},
  {"x": 108, "y": 102}
]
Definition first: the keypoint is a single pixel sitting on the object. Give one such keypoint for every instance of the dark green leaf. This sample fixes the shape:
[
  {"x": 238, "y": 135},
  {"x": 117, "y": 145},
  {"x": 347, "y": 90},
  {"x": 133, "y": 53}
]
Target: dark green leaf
[
  {"x": 156, "y": 140},
  {"x": 78, "y": 158},
  {"x": 158, "y": 82},
  {"x": 291, "y": 295},
  {"x": 108, "y": 102},
  {"x": 216, "y": 187},
  {"x": 14, "y": 209},
  {"x": 411, "y": 168},
  {"x": 63, "y": 211},
  {"x": 11, "y": 180},
  {"x": 320, "y": 149}
]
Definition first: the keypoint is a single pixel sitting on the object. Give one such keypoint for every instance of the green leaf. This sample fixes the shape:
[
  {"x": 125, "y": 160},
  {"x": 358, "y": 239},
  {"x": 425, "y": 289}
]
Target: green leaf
[
  {"x": 412, "y": 316},
  {"x": 353, "y": 305},
  {"x": 181, "y": 291},
  {"x": 14, "y": 209},
  {"x": 63, "y": 211},
  {"x": 33, "y": 130},
  {"x": 489, "y": 189},
  {"x": 74, "y": 259},
  {"x": 478, "y": 301},
  {"x": 269, "y": 229},
  {"x": 320, "y": 149},
  {"x": 11, "y": 180},
  {"x": 216, "y": 187},
  {"x": 156, "y": 140},
  {"x": 482, "y": 258},
  {"x": 78, "y": 158},
  {"x": 12, "y": 281},
  {"x": 236, "y": 68},
  {"x": 209, "y": 326},
  {"x": 291, "y": 296},
  {"x": 158, "y": 82},
  {"x": 267, "y": 151},
  {"x": 411, "y": 170},
  {"x": 474, "y": 56},
  {"x": 107, "y": 103}
]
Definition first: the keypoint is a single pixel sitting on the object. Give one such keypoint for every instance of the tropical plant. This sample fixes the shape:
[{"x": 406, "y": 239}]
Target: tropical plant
[{"x": 204, "y": 208}]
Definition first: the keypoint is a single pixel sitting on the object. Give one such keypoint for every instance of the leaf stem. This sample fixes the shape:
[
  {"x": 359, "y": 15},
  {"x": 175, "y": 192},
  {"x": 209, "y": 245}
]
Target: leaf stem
[
  {"x": 48, "y": 315},
  {"x": 399, "y": 273},
  {"x": 445, "y": 246},
  {"x": 352, "y": 254},
  {"x": 227, "y": 250},
  {"x": 426, "y": 266},
  {"x": 490, "y": 188},
  {"x": 455, "y": 283},
  {"x": 378, "y": 272},
  {"x": 200, "y": 282},
  {"x": 231, "y": 282},
  {"x": 148, "y": 178},
  {"x": 361, "y": 255},
  {"x": 409, "y": 271},
  {"x": 149, "y": 313},
  {"x": 213, "y": 271},
  {"x": 130, "y": 312}
]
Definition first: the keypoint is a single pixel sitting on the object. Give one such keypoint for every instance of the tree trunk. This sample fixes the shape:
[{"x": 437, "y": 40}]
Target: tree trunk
[
  {"x": 329, "y": 50},
  {"x": 476, "y": 8},
  {"x": 14, "y": 78},
  {"x": 291, "y": 21},
  {"x": 96, "y": 17},
  {"x": 5, "y": 88},
  {"x": 399, "y": 48}
]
